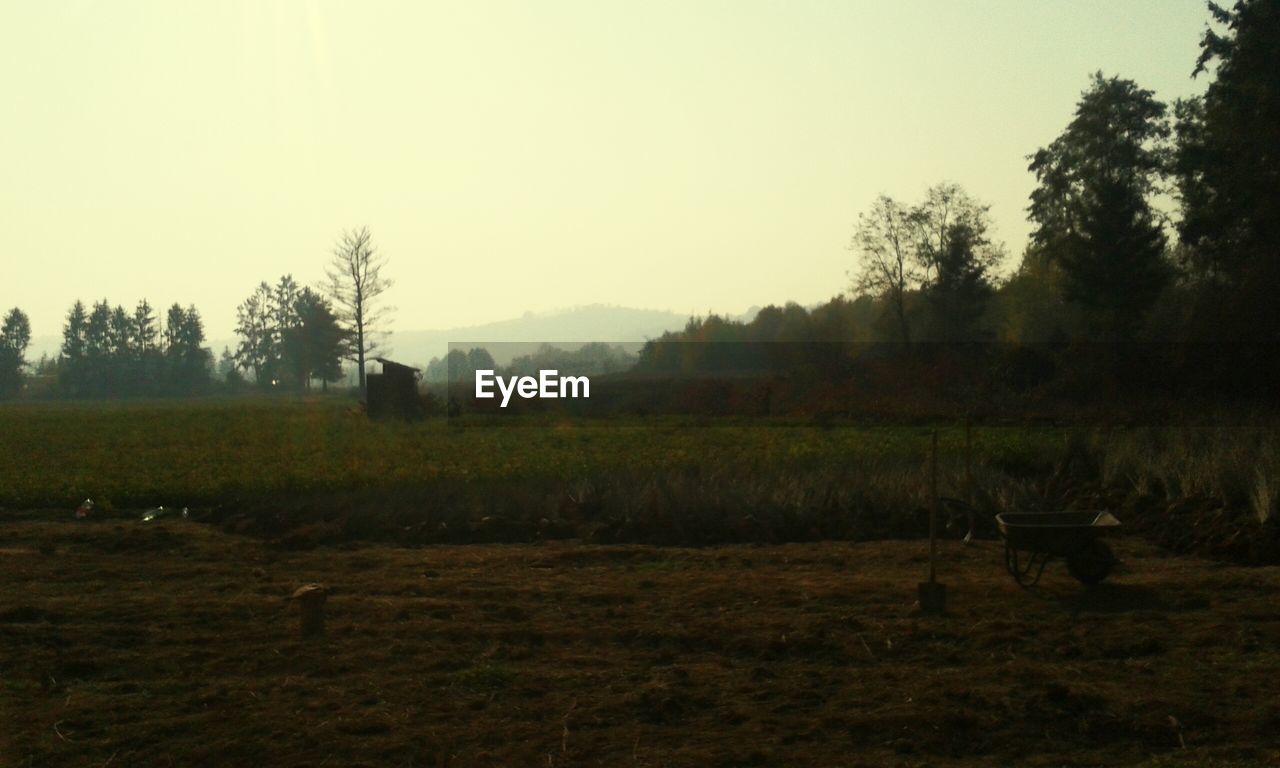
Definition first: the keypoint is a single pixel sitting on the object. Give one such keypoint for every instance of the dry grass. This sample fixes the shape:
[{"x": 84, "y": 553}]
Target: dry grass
[
  {"x": 1240, "y": 464},
  {"x": 131, "y": 644}
]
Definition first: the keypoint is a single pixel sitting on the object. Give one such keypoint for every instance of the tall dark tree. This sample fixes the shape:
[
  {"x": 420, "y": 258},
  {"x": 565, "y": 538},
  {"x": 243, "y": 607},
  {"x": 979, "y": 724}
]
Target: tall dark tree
[
  {"x": 284, "y": 306},
  {"x": 120, "y": 333},
  {"x": 1092, "y": 210},
  {"x": 189, "y": 361},
  {"x": 98, "y": 330},
  {"x": 1114, "y": 261},
  {"x": 356, "y": 285},
  {"x": 75, "y": 331},
  {"x": 1228, "y": 168},
  {"x": 313, "y": 342},
  {"x": 72, "y": 371},
  {"x": 146, "y": 336},
  {"x": 174, "y": 321},
  {"x": 97, "y": 361},
  {"x": 121, "y": 362},
  {"x": 257, "y": 351},
  {"x": 15, "y": 336},
  {"x": 282, "y": 319},
  {"x": 146, "y": 374},
  {"x": 961, "y": 286}
]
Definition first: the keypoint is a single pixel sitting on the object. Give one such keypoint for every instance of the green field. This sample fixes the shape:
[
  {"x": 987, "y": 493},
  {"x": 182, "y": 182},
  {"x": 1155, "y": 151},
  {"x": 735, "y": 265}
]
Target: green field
[
  {"x": 273, "y": 465},
  {"x": 135, "y": 454}
]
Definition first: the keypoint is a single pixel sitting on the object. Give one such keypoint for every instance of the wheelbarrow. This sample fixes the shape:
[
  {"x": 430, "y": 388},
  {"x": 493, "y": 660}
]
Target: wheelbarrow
[{"x": 1032, "y": 539}]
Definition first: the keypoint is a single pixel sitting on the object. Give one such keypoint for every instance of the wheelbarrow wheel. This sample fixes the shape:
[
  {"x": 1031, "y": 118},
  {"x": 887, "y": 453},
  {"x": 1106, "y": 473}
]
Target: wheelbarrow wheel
[{"x": 1092, "y": 563}]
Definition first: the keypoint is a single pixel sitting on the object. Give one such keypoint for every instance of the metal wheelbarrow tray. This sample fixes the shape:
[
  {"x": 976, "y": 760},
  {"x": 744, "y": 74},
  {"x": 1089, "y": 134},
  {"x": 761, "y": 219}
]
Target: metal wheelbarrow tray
[{"x": 1032, "y": 539}]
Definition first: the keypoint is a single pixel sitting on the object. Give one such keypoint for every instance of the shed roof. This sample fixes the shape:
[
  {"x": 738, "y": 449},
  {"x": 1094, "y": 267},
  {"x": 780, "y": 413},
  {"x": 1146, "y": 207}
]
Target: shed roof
[{"x": 393, "y": 365}]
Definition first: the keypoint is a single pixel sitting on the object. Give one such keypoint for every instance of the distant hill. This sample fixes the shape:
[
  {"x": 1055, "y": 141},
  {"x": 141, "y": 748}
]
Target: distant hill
[{"x": 506, "y": 339}]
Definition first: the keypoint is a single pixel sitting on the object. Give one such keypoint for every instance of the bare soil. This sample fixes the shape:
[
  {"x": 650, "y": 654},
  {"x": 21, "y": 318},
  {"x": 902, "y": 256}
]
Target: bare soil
[{"x": 125, "y": 643}]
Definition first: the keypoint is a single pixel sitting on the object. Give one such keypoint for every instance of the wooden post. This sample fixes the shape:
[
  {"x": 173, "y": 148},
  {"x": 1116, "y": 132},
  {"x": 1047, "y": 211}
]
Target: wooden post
[
  {"x": 933, "y": 510},
  {"x": 310, "y": 599},
  {"x": 968, "y": 460},
  {"x": 968, "y": 478}
]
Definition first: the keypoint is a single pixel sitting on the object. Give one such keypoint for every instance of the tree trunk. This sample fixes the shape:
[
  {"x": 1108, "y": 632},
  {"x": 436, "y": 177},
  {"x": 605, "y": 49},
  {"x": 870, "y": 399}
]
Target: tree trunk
[
  {"x": 359, "y": 318},
  {"x": 902, "y": 320}
]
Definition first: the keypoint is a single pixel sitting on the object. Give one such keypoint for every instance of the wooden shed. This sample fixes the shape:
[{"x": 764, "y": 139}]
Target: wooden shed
[{"x": 393, "y": 393}]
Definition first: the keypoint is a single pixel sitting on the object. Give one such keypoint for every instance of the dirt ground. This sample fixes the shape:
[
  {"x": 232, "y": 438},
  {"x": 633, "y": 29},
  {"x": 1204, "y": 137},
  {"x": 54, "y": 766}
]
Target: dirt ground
[{"x": 170, "y": 643}]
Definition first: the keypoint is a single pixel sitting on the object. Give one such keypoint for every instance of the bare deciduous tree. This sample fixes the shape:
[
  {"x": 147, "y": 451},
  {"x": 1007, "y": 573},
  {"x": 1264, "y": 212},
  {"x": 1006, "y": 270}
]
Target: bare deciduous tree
[
  {"x": 947, "y": 210},
  {"x": 355, "y": 285},
  {"x": 886, "y": 242}
]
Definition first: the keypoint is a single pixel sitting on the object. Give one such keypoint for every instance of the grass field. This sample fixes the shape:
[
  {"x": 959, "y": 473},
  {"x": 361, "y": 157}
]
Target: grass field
[
  {"x": 274, "y": 466},
  {"x": 184, "y": 453},
  {"x": 786, "y": 637}
]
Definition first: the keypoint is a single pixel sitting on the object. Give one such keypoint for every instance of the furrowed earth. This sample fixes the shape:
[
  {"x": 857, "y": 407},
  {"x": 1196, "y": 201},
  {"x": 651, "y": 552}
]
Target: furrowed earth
[{"x": 125, "y": 643}]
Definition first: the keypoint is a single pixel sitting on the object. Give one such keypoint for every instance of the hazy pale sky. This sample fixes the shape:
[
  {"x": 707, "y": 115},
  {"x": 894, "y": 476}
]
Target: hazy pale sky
[{"x": 513, "y": 156}]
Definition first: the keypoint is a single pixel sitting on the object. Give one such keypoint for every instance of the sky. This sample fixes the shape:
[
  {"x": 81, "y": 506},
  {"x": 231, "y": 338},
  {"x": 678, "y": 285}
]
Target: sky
[{"x": 511, "y": 157}]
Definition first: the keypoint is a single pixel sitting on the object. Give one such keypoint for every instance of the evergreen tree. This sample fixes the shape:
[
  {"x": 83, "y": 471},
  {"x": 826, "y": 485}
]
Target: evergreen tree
[
  {"x": 257, "y": 349},
  {"x": 1091, "y": 208},
  {"x": 189, "y": 362},
  {"x": 956, "y": 255},
  {"x": 146, "y": 335},
  {"x": 98, "y": 350},
  {"x": 15, "y": 336},
  {"x": 146, "y": 360},
  {"x": 312, "y": 341},
  {"x": 1228, "y": 171},
  {"x": 960, "y": 288},
  {"x": 74, "y": 346}
]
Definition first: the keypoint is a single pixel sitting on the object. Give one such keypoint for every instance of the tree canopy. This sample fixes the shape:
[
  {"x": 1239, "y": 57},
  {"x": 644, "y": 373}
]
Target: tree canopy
[
  {"x": 15, "y": 336},
  {"x": 1228, "y": 172},
  {"x": 1092, "y": 210}
]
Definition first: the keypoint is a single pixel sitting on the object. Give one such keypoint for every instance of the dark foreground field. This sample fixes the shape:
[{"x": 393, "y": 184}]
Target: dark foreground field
[{"x": 171, "y": 643}]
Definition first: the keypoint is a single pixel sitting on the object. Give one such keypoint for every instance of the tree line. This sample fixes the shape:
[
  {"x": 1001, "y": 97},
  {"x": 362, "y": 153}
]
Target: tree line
[
  {"x": 110, "y": 352},
  {"x": 289, "y": 336},
  {"x": 592, "y": 359},
  {"x": 1105, "y": 265}
]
